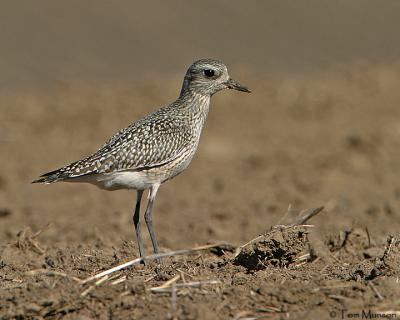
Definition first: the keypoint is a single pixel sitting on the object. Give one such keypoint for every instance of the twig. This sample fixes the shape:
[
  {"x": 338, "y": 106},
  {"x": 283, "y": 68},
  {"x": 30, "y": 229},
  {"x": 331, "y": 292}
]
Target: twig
[
  {"x": 306, "y": 256},
  {"x": 269, "y": 309},
  {"x": 38, "y": 233},
  {"x": 368, "y": 237},
  {"x": 51, "y": 273},
  {"x": 170, "y": 281},
  {"x": 150, "y": 257},
  {"x": 388, "y": 248},
  {"x": 119, "y": 280},
  {"x": 244, "y": 315},
  {"x": 125, "y": 293},
  {"x": 306, "y": 215},
  {"x": 183, "y": 273},
  {"x": 173, "y": 301},
  {"x": 338, "y": 297},
  {"x": 249, "y": 242},
  {"x": 193, "y": 284},
  {"x": 150, "y": 278},
  {"x": 334, "y": 287},
  {"x": 375, "y": 290},
  {"x": 99, "y": 282}
]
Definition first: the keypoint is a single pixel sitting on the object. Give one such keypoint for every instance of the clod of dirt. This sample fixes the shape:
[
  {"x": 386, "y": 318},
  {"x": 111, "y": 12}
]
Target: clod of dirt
[
  {"x": 354, "y": 140},
  {"x": 365, "y": 270},
  {"x": 4, "y": 212},
  {"x": 279, "y": 248}
]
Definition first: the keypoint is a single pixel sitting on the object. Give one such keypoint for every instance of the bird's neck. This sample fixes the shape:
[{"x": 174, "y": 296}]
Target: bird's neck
[{"x": 195, "y": 103}]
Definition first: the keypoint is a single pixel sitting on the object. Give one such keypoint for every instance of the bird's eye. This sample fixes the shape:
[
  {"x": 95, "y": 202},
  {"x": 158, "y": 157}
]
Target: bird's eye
[{"x": 209, "y": 73}]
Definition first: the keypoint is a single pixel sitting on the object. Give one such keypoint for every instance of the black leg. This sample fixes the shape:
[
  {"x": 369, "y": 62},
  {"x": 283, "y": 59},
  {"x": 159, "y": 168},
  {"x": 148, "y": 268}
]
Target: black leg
[
  {"x": 136, "y": 222},
  {"x": 148, "y": 218}
]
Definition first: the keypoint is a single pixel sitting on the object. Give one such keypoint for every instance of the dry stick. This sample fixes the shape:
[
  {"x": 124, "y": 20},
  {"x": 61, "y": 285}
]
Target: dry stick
[
  {"x": 173, "y": 301},
  {"x": 333, "y": 287},
  {"x": 51, "y": 273},
  {"x": 98, "y": 282},
  {"x": 193, "y": 284},
  {"x": 388, "y": 248},
  {"x": 38, "y": 233},
  {"x": 119, "y": 280},
  {"x": 150, "y": 257},
  {"x": 368, "y": 237},
  {"x": 182, "y": 275},
  {"x": 305, "y": 215},
  {"x": 375, "y": 290},
  {"x": 338, "y": 297},
  {"x": 170, "y": 281},
  {"x": 242, "y": 315},
  {"x": 150, "y": 278},
  {"x": 302, "y": 257}
]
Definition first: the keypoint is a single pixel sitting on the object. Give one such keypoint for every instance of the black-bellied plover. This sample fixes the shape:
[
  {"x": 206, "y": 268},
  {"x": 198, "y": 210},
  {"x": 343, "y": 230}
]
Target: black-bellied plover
[{"x": 155, "y": 148}]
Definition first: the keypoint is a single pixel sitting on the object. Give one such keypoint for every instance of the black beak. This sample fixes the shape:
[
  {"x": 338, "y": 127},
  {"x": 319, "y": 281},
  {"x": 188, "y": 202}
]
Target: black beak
[{"x": 232, "y": 84}]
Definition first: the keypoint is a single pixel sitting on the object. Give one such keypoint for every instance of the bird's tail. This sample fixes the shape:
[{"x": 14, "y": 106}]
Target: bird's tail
[{"x": 50, "y": 177}]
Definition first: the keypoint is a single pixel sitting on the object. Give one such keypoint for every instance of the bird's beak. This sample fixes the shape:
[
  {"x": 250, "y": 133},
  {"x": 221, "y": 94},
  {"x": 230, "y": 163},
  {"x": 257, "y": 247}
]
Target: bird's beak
[{"x": 232, "y": 84}]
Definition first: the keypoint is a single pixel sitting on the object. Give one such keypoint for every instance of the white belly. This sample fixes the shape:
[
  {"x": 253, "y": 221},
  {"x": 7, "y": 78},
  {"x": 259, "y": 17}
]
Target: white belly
[{"x": 138, "y": 180}]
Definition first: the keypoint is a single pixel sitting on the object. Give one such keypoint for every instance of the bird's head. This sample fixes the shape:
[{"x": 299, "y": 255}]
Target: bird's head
[{"x": 207, "y": 76}]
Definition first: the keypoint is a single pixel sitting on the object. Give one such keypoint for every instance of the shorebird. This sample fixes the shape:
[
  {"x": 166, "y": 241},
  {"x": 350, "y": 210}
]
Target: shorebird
[{"x": 155, "y": 148}]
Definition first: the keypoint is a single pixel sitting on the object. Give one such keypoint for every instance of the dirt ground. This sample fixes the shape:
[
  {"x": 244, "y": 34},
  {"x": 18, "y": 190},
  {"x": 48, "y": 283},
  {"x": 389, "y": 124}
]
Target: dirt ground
[{"x": 325, "y": 139}]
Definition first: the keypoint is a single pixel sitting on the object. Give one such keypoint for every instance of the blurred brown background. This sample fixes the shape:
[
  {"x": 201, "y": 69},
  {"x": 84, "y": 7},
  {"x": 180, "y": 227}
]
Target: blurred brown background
[
  {"x": 321, "y": 126},
  {"x": 47, "y": 42}
]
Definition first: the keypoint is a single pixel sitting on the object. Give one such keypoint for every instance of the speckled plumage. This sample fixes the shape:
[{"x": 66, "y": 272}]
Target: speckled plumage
[
  {"x": 149, "y": 143},
  {"x": 155, "y": 148}
]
